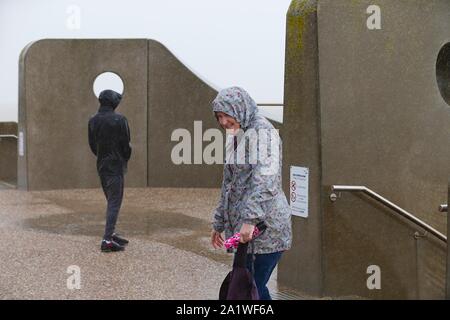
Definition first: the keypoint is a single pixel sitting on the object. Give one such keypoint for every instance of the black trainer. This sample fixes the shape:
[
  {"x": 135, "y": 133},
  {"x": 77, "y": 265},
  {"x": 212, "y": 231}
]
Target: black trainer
[
  {"x": 111, "y": 246},
  {"x": 119, "y": 240}
]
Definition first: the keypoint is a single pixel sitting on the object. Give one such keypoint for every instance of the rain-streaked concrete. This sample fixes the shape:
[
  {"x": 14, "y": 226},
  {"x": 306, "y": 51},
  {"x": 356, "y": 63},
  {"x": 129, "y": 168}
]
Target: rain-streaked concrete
[
  {"x": 169, "y": 255},
  {"x": 8, "y": 152},
  {"x": 160, "y": 96},
  {"x": 364, "y": 107}
]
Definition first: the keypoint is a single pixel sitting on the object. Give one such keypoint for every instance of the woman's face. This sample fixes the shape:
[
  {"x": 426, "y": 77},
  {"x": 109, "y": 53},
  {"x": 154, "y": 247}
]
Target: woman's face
[{"x": 228, "y": 122}]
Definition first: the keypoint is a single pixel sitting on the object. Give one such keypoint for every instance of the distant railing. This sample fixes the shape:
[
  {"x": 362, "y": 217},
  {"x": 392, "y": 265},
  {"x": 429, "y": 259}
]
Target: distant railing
[
  {"x": 270, "y": 104},
  {"x": 8, "y": 136}
]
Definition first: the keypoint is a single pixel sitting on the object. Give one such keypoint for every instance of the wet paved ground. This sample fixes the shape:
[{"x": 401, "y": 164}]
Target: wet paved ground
[{"x": 169, "y": 256}]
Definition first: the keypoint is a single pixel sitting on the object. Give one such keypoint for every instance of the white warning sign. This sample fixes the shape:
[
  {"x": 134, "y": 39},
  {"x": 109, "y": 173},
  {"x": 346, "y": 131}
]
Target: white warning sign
[{"x": 298, "y": 189}]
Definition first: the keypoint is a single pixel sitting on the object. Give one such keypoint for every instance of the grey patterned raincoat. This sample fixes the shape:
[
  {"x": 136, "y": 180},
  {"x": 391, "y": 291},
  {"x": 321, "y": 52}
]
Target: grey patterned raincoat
[{"x": 251, "y": 190}]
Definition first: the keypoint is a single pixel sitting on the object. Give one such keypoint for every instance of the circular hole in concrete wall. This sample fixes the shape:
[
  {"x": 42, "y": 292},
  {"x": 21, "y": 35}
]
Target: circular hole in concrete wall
[
  {"x": 443, "y": 72},
  {"x": 108, "y": 81}
]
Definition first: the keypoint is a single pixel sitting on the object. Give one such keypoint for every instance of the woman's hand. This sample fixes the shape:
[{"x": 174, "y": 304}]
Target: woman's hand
[
  {"x": 216, "y": 239},
  {"x": 246, "y": 232}
]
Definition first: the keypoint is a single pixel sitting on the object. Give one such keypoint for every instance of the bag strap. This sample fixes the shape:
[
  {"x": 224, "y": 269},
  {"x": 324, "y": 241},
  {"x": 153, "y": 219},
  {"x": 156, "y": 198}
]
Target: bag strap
[
  {"x": 261, "y": 227},
  {"x": 252, "y": 266},
  {"x": 240, "y": 259}
]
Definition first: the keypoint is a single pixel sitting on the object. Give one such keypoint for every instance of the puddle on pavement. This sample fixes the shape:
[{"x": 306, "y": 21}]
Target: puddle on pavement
[{"x": 172, "y": 228}]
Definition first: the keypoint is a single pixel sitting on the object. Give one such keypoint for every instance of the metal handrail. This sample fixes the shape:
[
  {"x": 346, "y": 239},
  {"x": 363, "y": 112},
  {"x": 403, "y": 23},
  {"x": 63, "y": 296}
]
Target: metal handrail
[
  {"x": 390, "y": 205},
  {"x": 8, "y": 136},
  {"x": 270, "y": 104}
]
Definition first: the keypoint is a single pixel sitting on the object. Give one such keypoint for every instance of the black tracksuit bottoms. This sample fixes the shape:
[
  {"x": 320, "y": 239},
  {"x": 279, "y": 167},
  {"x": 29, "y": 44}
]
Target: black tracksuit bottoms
[{"x": 113, "y": 188}]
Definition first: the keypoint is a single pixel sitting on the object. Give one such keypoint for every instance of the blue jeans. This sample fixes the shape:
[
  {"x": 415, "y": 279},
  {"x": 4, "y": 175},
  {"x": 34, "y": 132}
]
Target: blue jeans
[{"x": 263, "y": 267}]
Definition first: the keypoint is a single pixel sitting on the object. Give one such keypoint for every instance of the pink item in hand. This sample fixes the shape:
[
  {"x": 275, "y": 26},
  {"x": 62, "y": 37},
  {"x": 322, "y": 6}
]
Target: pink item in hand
[{"x": 233, "y": 242}]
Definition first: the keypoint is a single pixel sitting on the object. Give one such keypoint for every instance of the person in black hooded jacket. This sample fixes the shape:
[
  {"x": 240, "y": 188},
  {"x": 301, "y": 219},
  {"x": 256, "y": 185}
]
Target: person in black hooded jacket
[{"x": 109, "y": 140}]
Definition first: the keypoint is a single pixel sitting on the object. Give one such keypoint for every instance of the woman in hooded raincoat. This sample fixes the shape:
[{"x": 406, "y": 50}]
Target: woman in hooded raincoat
[{"x": 251, "y": 190}]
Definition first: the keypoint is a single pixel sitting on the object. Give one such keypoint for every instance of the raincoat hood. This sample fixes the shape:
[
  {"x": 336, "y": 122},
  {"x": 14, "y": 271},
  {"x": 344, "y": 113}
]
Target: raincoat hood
[
  {"x": 109, "y": 98},
  {"x": 237, "y": 103}
]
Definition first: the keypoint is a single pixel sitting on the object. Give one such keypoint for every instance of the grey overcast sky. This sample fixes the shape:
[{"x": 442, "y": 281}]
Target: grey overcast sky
[{"x": 225, "y": 42}]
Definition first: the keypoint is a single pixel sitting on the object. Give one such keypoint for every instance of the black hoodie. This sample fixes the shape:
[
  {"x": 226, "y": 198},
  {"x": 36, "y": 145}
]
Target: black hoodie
[{"x": 109, "y": 136}]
